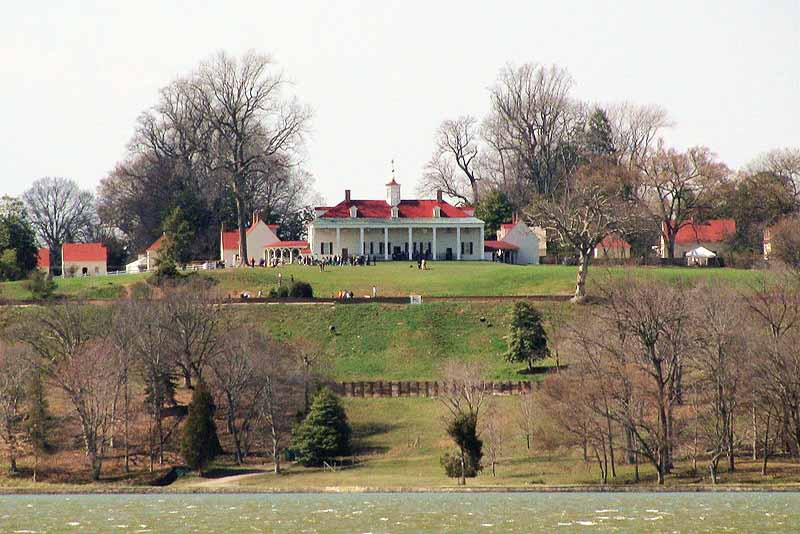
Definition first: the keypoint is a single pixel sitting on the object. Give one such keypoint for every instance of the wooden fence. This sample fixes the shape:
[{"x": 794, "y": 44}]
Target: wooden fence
[{"x": 407, "y": 388}]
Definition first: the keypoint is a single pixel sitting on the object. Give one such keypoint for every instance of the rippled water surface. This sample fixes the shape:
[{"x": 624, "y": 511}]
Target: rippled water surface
[{"x": 402, "y": 513}]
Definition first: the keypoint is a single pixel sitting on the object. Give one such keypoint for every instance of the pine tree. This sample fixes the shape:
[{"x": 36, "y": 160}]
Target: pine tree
[
  {"x": 325, "y": 432},
  {"x": 494, "y": 210},
  {"x": 176, "y": 244},
  {"x": 38, "y": 423},
  {"x": 527, "y": 339},
  {"x": 599, "y": 137},
  {"x": 200, "y": 443}
]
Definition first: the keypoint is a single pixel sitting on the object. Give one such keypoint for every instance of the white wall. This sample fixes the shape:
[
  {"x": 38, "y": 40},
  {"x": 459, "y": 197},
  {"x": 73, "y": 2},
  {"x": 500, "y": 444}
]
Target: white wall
[
  {"x": 522, "y": 236},
  {"x": 93, "y": 268}
]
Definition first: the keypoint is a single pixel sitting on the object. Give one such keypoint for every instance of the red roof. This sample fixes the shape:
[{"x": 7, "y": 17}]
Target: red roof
[
  {"x": 273, "y": 227},
  {"x": 499, "y": 245},
  {"x": 711, "y": 231},
  {"x": 288, "y": 244},
  {"x": 43, "y": 258},
  {"x": 508, "y": 226},
  {"x": 612, "y": 241},
  {"x": 156, "y": 244},
  {"x": 408, "y": 209},
  {"x": 84, "y": 252}
]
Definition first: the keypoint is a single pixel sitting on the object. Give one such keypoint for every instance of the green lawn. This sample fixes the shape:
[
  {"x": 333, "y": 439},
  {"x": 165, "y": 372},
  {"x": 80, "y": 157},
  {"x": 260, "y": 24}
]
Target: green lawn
[
  {"x": 397, "y": 342},
  {"x": 398, "y": 279}
]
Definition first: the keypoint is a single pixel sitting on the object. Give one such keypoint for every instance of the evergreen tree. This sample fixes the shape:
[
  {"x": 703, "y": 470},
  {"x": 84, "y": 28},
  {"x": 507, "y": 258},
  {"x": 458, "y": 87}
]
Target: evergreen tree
[
  {"x": 38, "y": 423},
  {"x": 176, "y": 245},
  {"x": 325, "y": 432},
  {"x": 463, "y": 430},
  {"x": 17, "y": 240},
  {"x": 494, "y": 210},
  {"x": 200, "y": 443},
  {"x": 599, "y": 136},
  {"x": 527, "y": 339}
]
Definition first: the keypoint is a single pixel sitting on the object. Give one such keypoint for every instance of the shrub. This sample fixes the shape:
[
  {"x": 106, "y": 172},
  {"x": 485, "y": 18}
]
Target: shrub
[
  {"x": 40, "y": 284},
  {"x": 282, "y": 292},
  {"x": 302, "y": 290},
  {"x": 325, "y": 432},
  {"x": 452, "y": 466},
  {"x": 141, "y": 291},
  {"x": 463, "y": 430}
]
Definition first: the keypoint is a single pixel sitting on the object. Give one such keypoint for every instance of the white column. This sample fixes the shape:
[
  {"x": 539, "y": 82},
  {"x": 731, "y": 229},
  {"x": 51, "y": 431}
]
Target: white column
[
  {"x": 281, "y": 255},
  {"x": 410, "y": 244},
  {"x": 361, "y": 246},
  {"x": 338, "y": 236},
  {"x": 434, "y": 243},
  {"x": 480, "y": 245},
  {"x": 386, "y": 243},
  {"x": 458, "y": 242},
  {"x": 291, "y": 255}
]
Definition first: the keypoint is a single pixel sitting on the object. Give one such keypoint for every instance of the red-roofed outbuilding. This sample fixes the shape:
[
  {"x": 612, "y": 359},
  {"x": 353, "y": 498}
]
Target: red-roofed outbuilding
[{"x": 84, "y": 259}]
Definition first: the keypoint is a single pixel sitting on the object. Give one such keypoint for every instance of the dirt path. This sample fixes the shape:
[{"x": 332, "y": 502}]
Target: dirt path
[{"x": 231, "y": 481}]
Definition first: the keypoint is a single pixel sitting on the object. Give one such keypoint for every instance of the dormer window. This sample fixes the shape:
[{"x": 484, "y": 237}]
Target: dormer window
[
  {"x": 437, "y": 211},
  {"x": 353, "y": 211},
  {"x": 395, "y": 212}
]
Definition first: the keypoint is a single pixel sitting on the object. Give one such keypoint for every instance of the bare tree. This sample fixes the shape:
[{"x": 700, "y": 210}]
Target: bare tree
[
  {"x": 678, "y": 187},
  {"x": 588, "y": 210},
  {"x": 782, "y": 162},
  {"x": 60, "y": 212},
  {"x": 532, "y": 121},
  {"x": 495, "y": 435},
  {"x": 454, "y": 166},
  {"x": 636, "y": 129},
  {"x": 195, "y": 319},
  {"x": 16, "y": 369},
  {"x": 252, "y": 122},
  {"x": 527, "y": 416}
]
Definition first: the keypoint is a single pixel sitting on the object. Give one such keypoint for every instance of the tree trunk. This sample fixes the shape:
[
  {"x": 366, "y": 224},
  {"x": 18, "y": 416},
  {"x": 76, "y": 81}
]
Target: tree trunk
[
  {"x": 463, "y": 480},
  {"x": 187, "y": 377},
  {"x": 580, "y": 282},
  {"x": 755, "y": 433},
  {"x": 528, "y": 441},
  {"x": 475, "y": 196},
  {"x": 125, "y": 429},
  {"x": 713, "y": 468},
  {"x": 611, "y": 446},
  {"x": 766, "y": 446},
  {"x": 243, "y": 257}
]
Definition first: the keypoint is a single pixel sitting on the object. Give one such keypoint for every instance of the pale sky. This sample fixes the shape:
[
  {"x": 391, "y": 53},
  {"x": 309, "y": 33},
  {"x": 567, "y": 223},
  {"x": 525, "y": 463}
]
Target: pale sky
[{"x": 382, "y": 75}]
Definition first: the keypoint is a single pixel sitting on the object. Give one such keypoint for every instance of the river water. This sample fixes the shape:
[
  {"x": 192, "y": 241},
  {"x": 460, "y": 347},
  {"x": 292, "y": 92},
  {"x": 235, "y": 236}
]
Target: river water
[{"x": 402, "y": 513}]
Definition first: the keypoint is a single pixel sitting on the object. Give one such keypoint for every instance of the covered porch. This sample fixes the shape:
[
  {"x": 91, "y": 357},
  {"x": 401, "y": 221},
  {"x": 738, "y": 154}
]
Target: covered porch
[
  {"x": 500, "y": 251},
  {"x": 285, "y": 251}
]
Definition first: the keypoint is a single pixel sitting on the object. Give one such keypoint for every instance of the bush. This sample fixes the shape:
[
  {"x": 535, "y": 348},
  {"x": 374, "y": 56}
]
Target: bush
[
  {"x": 301, "y": 290},
  {"x": 282, "y": 292},
  {"x": 40, "y": 284},
  {"x": 452, "y": 466},
  {"x": 141, "y": 291},
  {"x": 325, "y": 432}
]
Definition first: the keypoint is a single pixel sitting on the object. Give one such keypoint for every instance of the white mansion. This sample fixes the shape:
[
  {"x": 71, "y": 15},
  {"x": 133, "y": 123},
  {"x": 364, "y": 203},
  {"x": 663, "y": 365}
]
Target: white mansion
[{"x": 395, "y": 229}]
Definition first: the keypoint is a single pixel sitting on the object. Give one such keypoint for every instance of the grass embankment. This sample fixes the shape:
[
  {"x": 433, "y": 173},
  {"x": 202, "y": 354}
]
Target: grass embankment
[
  {"x": 395, "y": 279},
  {"x": 398, "y": 342}
]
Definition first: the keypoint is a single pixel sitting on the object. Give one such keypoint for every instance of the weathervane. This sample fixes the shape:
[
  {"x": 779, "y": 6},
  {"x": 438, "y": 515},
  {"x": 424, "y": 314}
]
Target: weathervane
[{"x": 392, "y": 168}]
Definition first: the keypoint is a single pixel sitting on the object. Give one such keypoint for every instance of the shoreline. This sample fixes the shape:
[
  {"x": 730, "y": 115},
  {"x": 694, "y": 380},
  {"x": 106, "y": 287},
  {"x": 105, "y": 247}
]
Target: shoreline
[{"x": 144, "y": 490}]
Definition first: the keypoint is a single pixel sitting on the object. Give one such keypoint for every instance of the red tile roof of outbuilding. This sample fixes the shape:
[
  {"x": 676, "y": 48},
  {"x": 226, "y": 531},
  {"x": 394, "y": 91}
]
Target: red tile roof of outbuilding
[
  {"x": 77, "y": 252},
  {"x": 156, "y": 244},
  {"x": 43, "y": 258},
  {"x": 613, "y": 241},
  {"x": 288, "y": 244},
  {"x": 499, "y": 245},
  {"x": 711, "y": 231}
]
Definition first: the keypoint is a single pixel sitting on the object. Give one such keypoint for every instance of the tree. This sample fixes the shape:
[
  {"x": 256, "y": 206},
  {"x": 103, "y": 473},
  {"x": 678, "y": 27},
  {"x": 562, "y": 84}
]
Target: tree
[
  {"x": 60, "y": 212},
  {"x": 38, "y": 423},
  {"x": 526, "y": 417},
  {"x": 463, "y": 394},
  {"x": 781, "y": 162},
  {"x": 252, "y": 124},
  {"x": 494, "y": 210},
  {"x": 636, "y": 129},
  {"x": 785, "y": 242},
  {"x": 527, "y": 339},
  {"x": 199, "y": 443},
  {"x": 324, "y": 433},
  {"x": 40, "y": 284},
  {"x": 592, "y": 207},
  {"x": 599, "y": 135},
  {"x": 195, "y": 319},
  {"x": 679, "y": 187},
  {"x": 16, "y": 368},
  {"x": 495, "y": 435},
  {"x": 175, "y": 246},
  {"x": 453, "y": 168},
  {"x": 17, "y": 240},
  {"x": 534, "y": 122}
]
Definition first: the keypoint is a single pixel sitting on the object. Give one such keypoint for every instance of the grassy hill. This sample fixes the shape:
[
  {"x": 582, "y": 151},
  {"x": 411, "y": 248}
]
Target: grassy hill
[{"x": 395, "y": 279}]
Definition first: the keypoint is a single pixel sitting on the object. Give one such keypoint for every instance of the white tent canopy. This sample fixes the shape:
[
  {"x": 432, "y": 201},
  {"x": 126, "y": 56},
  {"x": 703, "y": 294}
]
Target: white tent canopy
[{"x": 700, "y": 252}]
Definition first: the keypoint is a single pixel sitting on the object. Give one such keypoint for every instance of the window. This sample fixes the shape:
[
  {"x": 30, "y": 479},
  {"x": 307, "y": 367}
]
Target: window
[
  {"x": 380, "y": 248},
  {"x": 462, "y": 247},
  {"x": 415, "y": 247},
  {"x": 406, "y": 244},
  {"x": 330, "y": 247},
  {"x": 429, "y": 247},
  {"x": 322, "y": 247},
  {"x": 470, "y": 247},
  {"x": 372, "y": 247}
]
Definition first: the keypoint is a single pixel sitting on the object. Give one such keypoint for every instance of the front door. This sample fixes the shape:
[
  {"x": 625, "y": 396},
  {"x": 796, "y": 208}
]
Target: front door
[
  {"x": 344, "y": 253},
  {"x": 448, "y": 254}
]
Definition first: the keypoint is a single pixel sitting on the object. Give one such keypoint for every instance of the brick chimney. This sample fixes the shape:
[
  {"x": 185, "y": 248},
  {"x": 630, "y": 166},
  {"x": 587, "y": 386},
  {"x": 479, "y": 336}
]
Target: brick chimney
[
  {"x": 438, "y": 195},
  {"x": 347, "y": 195}
]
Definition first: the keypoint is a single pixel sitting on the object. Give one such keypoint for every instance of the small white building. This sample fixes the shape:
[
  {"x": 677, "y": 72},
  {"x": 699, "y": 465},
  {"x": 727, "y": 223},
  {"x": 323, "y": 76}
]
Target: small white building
[
  {"x": 396, "y": 229},
  {"x": 83, "y": 259},
  {"x": 516, "y": 243},
  {"x": 258, "y": 235}
]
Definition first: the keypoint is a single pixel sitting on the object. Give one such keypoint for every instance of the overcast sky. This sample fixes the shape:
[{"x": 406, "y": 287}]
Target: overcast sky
[{"x": 382, "y": 75}]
